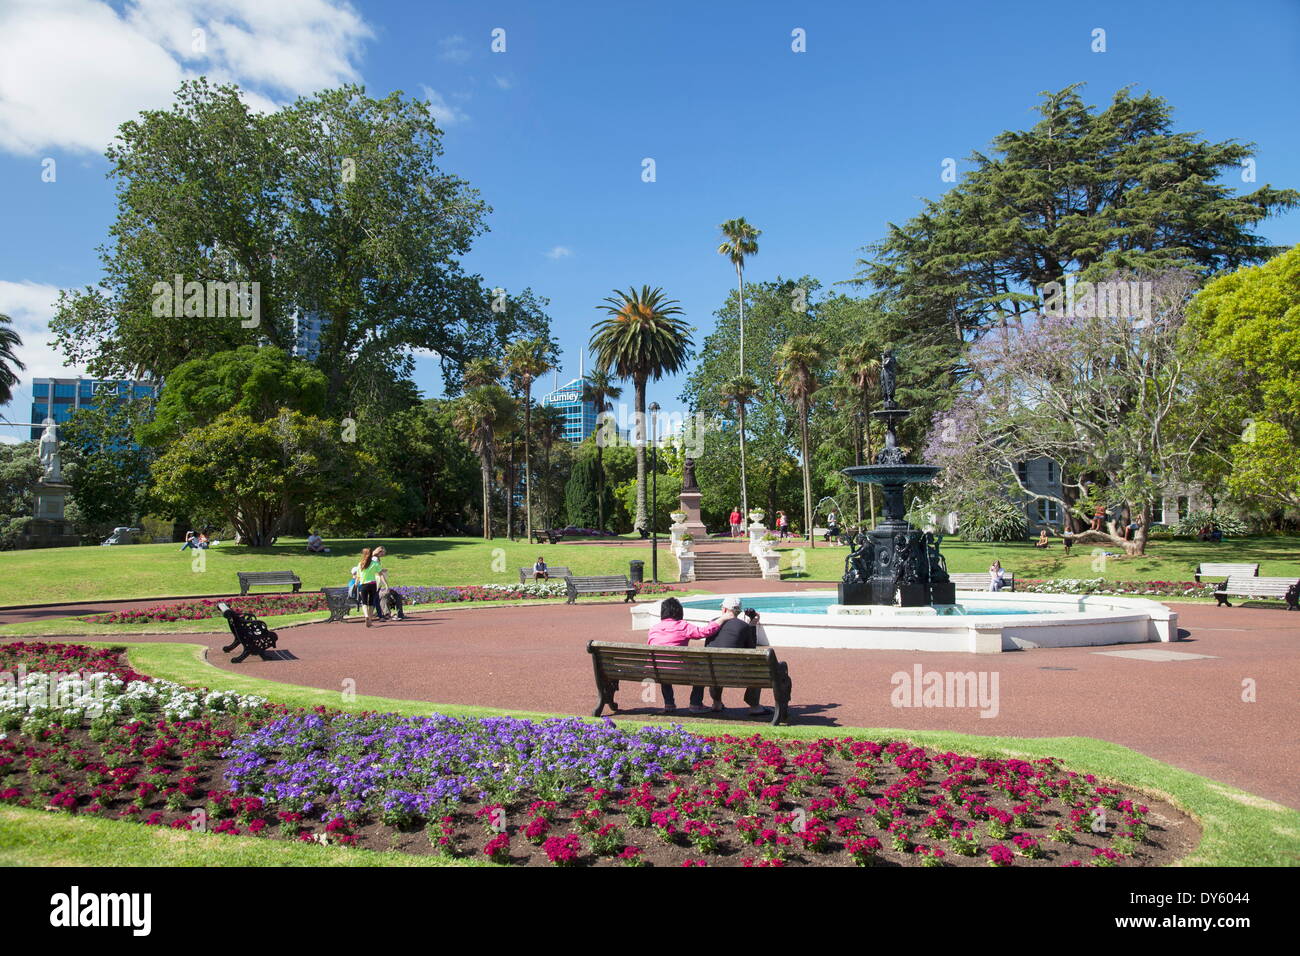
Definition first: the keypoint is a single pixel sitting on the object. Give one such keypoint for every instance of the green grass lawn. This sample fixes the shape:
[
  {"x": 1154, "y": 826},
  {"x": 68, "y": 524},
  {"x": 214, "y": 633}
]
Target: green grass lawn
[
  {"x": 157, "y": 570},
  {"x": 1166, "y": 560},
  {"x": 1239, "y": 828}
]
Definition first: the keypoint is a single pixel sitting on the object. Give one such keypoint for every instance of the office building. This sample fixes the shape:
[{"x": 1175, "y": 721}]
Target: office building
[{"x": 58, "y": 398}]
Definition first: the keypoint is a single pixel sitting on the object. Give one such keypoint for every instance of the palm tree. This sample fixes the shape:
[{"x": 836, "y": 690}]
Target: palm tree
[
  {"x": 549, "y": 429},
  {"x": 641, "y": 340},
  {"x": 9, "y": 343},
  {"x": 482, "y": 371},
  {"x": 860, "y": 364},
  {"x": 525, "y": 361},
  {"x": 739, "y": 239},
  {"x": 738, "y": 393},
  {"x": 599, "y": 389},
  {"x": 797, "y": 363},
  {"x": 481, "y": 415}
]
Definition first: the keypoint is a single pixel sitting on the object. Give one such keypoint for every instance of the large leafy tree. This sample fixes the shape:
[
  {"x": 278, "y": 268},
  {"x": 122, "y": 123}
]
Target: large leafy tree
[
  {"x": 108, "y": 471},
  {"x": 20, "y": 469},
  {"x": 1106, "y": 398},
  {"x": 334, "y": 204},
  {"x": 251, "y": 475},
  {"x": 798, "y": 362},
  {"x": 1247, "y": 325},
  {"x": 250, "y": 381},
  {"x": 1082, "y": 193},
  {"x": 858, "y": 387},
  {"x": 9, "y": 363},
  {"x": 641, "y": 339}
]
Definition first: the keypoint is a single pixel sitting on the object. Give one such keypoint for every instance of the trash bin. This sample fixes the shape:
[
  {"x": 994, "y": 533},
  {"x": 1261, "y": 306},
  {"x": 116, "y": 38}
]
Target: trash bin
[{"x": 636, "y": 571}]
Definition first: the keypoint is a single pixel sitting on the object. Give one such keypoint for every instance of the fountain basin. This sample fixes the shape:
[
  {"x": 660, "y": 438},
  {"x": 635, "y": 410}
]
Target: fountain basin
[{"x": 981, "y": 622}]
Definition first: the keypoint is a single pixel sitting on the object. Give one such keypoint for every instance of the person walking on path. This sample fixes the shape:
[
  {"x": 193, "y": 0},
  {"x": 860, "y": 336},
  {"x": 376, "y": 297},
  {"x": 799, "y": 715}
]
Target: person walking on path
[
  {"x": 735, "y": 522},
  {"x": 782, "y": 525}
]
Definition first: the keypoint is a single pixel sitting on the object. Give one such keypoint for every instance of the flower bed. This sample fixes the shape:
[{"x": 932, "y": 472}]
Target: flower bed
[
  {"x": 263, "y": 605},
  {"x": 22, "y": 657},
  {"x": 566, "y": 792},
  {"x": 1102, "y": 586}
]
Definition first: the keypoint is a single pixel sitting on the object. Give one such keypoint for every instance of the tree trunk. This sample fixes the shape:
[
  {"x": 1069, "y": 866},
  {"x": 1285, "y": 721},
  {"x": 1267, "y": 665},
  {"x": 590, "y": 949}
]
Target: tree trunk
[
  {"x": 639, "y": 522},
  {"x": 528, "y": 468},
  {"x": 807, "y": 481},
  {"x": 740, "y": 283},
  {"x": 510, "y": 492},
  {"x": 871, "y": 489},
  {"x": 744, "y": 492},
  {"x": 600, "y": 484},
  {"x": 486, "y": 461},
  {"x": 857, "y": 460}
]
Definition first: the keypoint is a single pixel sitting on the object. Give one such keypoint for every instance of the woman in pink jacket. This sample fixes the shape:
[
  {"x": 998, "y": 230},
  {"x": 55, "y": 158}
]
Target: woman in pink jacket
[{"x": 672, "y": 631}]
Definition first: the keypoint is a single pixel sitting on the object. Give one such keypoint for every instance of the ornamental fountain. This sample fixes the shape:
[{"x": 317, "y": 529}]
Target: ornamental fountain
[
  {"x": 894, "y": 564},
  {"x": 896, "y": 593}
]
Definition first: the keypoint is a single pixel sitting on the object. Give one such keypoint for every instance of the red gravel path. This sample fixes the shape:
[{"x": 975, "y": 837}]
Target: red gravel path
[{"x": 1188, "y": 713}]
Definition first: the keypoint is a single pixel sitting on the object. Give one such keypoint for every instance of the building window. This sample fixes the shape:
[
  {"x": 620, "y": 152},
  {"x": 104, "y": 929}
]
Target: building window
[
  {"x": 1049, "y": 512},
  {"x": 1051, "y": 471},
  {"x": 1182, "y": 507},
  {"x": 1022, "y": 472}
]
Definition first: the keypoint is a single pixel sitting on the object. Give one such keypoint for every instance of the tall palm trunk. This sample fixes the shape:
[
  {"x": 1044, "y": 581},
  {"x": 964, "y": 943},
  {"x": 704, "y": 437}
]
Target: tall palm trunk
[
  {"x": 740, "y": 282},
  {"x": 528, "y": 470},
  {"x": 485, "y": 461},
  {"x": 857, "y": 460},
  {"x": 744, "y": 489},
  {"x": 807, "y": 481},
  {"x": 640, "y": 521},
  {"x": 871, "y": 489}
]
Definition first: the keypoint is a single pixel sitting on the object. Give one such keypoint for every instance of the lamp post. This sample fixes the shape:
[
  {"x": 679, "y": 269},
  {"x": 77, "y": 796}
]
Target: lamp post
[{"x": 654, "y": 491}]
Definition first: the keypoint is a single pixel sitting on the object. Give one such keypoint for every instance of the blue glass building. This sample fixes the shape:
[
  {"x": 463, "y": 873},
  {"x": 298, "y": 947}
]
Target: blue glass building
[
  {"x": 58, "y": 398},
  {"x": 579, "y": 415}
]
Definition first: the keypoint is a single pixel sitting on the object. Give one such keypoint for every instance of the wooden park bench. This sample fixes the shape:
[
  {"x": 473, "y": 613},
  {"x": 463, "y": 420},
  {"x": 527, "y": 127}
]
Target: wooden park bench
[
  {"x": 979, "y": 581},
  {"x": 602, "y": 584},
  {"x": 249, "y": 632},
  {"x": 1226, "y": 571},
  {"x": 339, "y": 601},
  {"x": 1243, "y": 585},
  {"x": 553, "y": 572},
  {"x": 258, "y": 579},
  {"x": 694, "y": 666}
]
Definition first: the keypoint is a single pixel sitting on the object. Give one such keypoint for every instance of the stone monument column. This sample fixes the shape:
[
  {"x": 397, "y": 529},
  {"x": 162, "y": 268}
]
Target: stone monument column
[{"x": 690, "y": 501}]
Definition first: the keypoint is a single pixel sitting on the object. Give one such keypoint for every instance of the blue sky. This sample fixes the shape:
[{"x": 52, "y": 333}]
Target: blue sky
[{"x": 819, "y": 149}]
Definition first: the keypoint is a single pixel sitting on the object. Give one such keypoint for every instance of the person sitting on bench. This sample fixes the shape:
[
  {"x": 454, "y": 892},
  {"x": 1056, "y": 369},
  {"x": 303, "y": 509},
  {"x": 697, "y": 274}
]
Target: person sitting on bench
[
  {"x": 672, "y": 631},
  {"x": 540, "y": 573},
  {"x": 734, "y": 632}
]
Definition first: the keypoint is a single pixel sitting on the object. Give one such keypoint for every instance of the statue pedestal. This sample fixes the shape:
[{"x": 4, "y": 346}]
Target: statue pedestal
[
  {"x": 690, "y": 501},
  {"x": 48, "y": 529}
]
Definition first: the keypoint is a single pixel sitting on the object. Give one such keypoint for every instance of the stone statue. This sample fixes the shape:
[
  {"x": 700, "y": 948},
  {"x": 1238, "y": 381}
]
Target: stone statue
[
  {"x": 857, "y": 563},
  {"x": 688, "y": 475},
  {"x": 49, "y": 451},
  {"x": 888, "y": 377}
]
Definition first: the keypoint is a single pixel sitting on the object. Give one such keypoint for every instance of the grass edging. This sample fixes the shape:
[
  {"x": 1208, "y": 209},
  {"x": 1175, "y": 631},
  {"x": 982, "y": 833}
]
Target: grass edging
[{"x": 1239, "y": 829}]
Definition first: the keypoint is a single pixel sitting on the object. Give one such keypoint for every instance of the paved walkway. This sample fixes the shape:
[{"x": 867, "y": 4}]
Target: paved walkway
[{"x": 1185, "y": 710}]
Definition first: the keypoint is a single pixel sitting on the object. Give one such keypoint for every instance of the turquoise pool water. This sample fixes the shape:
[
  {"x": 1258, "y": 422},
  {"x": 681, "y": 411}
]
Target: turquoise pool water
[{"x": 820, "y": 604}]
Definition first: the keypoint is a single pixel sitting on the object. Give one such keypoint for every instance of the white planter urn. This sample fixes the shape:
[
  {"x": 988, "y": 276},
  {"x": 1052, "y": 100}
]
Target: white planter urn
[
  {"x": 769, "y": 562},
  {"x": 685, "y": 565}
]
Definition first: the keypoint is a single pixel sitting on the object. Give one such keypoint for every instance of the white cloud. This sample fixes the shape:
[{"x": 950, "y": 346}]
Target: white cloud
[
  {"x": 31, "y": 306},
  {"x": 503, "y": 82},
  {"x": 443, "y": 112},
  {"x": 559, "y": 252},
  {"x": 71, "y": 71},
  {"x": 454, "y": 49}
]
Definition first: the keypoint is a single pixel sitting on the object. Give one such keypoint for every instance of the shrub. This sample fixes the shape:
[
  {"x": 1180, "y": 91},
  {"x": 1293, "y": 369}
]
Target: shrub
[
  {"x": 992, "y": 520},
  {"x": 1192, "y": 523}
]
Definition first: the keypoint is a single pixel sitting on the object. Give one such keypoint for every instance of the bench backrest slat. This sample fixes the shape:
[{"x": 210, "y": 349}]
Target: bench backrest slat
[
  {"x": 1245, "y": 584},
  {"x": 1227, "y": 570}
]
